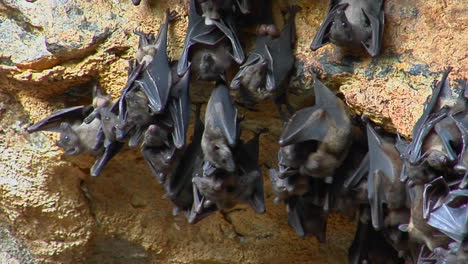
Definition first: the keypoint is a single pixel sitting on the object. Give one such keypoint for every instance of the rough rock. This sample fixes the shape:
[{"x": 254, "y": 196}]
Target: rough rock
[{"x": 56, "y": 213}]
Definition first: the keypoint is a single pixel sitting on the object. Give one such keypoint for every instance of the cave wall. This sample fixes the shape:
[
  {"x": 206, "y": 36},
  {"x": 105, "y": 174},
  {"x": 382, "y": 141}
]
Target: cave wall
[{"x": 52, "y": 211}]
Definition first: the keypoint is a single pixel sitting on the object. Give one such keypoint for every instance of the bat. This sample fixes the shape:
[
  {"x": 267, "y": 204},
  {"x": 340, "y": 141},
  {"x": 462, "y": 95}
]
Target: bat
[
  {"x": 438, "y": 148},
  {"x": 462, "y": 165},
  {"x": 384, "y": 185},
  {"x": 266, "y": 72},
  {"x": 213, "y": 9},
  {"x": 149, "y": 77},
  {"x": 351, "y": 23},
  {"x": 291, "y": 157},
  {"x": 210, "y": 62},
  {"x": 226, "y": 189},
  {"x": 283, "y": 188},
  {"x": 202, "y": 29},
  {"x": 221, "y": 129},
  {"x": 179, "y": 187},
  {"x": 136, "y": 2},
  {"x": 158, "y": 151},
  {"x": 418, "y": 229},
  {"x": 327, "y": 122},
  {"x": 251, "y": 179},
  {"x": 306, "y": 218}
]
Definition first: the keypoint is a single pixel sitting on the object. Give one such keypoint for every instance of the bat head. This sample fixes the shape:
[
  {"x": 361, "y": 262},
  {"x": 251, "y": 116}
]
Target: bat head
[
  {"x": 109, "y": 122},
  {"x": 252, "y": 77},
  {"x": 437, "y": 160},
  {"x": 222, "y": 157},
  {"x": 210, "y": 10},
  {"x": 69, "y": 140},
  {"x": 341, "y": 30}
]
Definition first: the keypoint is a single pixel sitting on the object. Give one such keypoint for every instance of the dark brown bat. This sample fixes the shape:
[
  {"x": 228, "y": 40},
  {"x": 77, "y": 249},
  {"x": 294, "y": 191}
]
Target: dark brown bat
[
  {"x": 351, "y": 23},
  {"x": 266, "y": 72},
  {"x": 221, "y": 129},
  {"x": 210, "y": 63},
  {"x": 327, "y": 122},
  {"x": 210, "y": 32}
]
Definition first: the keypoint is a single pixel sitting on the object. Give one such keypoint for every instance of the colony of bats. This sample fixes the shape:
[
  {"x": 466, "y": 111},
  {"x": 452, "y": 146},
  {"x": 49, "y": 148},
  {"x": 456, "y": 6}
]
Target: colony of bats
[{"x": 410, "y": 197}]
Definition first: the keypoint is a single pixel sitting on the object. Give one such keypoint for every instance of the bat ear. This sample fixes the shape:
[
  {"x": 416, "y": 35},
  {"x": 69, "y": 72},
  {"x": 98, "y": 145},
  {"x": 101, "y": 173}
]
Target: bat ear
[{"x": 65, "y": 127}]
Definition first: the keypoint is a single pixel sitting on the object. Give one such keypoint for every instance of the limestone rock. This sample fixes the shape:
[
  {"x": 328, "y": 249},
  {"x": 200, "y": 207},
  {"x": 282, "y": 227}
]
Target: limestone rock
[{"x": 62, "y": 215}]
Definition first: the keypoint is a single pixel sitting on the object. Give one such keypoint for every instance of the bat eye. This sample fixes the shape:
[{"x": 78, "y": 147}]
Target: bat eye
[
  {"x": 107, "y": 118},
  {"x": 66, "y": 138},
  {"x": 343, "y": 24},
  {"x": 215, "y": 148}
]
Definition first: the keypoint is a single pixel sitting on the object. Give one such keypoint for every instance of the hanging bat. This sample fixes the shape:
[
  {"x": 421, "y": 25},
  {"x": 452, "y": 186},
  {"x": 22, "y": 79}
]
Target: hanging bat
[
  {"x": 214, "y": 9},
  {"x": 353, "y": 23},
  {"x": 438, "y": 148},
  {"x": 327, "y": 122},
  {"x": 384, "y": 185},
  {"x": 179, "y": 188},
  {"x": 203, "y": 30},
  {"x": 221, "y": 129},
  {"x": 292, "y": 157},
  {"x": 150, "y": 76},
  {"x": 266, "y": 72},
  {"x": 210, "y": 62}
]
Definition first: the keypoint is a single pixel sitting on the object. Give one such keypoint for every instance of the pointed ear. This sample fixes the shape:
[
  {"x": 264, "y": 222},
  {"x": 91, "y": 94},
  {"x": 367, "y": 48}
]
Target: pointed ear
[{"x": 65, "y": 127}]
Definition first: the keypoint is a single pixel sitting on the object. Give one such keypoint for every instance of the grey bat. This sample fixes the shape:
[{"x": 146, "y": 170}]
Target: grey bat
[
  {"x": 210, "y": 62},
  {"x": 292, "y": 157},
  {"x": 293, "y": 185},
  {"x": 418, "y": 229},
  {"x": 327, "y": 122},
  {"x": 151, "y": 75},
  {"x": 353, "y": 23},
  {"x": 221, "y": 129},
  {"x": 203, "y": 30},
  {"x": 214, "y": 9},
  {"x": 384, "y": 185},
  {"x": 225, "y": 189},
  {"x": 438, "y": 148},
  {"x": 266, "y": 72}
]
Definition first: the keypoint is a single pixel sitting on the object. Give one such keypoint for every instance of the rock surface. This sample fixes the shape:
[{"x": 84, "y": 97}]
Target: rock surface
[{"x": 59, "y": 214}]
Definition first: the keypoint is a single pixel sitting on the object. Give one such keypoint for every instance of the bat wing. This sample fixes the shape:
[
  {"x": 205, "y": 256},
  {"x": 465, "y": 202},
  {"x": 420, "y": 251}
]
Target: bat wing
[
  {"x": 179, "y": 187},
  {"x": 433, "y": 195},
  {"x": 180, "y": 110},
  {"x": 381, "y": 165},
  {"x": 109, "y": 152},
  {"x": 311, "y": 218},
  {"x": 229, "y": 31},
  {"x": 451, "y": 221},
  {"x": 199, "y": 211},
  {"x": 294, "y": 218},
  {"x": 322, "y": 38},
  {"x": 326, "y": 100},
  {"x": 156, "y": 78},
  {"x": 361, "y": 172},
  {"x": 224, "y": 113},
  {"x": 375, "y": 42},
  {"x": 358, "y": 251},
  {"x": 68, "y": 115},
  {"x": 306, "y": 124},
  {"x": 424, "y": 124}
]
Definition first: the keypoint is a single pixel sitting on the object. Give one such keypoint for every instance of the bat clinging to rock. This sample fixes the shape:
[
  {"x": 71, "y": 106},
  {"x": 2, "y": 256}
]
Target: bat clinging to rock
[
  {"x": 266, "y": 72},
  {"x": 328, "y": 123},
  {"x": 353, "y": 23},
  {"x": 221, "y": 129}
]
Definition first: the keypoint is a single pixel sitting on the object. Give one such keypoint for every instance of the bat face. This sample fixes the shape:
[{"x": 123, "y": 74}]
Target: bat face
[
  {"x": 69, "y": 140},
  {"x": 220, "y": 155},
  {"x": 352, "y": 24},
  {"x": 211, "y": 63},
  {"x": 253, "y": 77}
]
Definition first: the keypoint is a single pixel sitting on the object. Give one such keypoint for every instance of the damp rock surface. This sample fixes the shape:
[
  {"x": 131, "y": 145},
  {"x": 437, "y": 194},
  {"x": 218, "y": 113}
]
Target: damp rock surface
[{"x": 52, "y": 211}]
